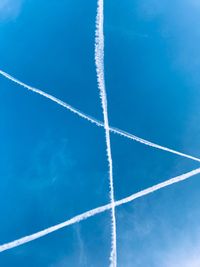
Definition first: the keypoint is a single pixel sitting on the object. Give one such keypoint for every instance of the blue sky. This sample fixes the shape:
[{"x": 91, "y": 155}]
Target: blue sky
[{"x": 53, "y": 165}]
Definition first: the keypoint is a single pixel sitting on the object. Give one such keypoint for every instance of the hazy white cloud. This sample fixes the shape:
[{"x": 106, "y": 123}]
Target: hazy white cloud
[
  {"x": 10, "y": 9},
  {"x": 182, "y": 252},
  {"x": 185, "y": 254},
  {"x": 147, "y": 239}
]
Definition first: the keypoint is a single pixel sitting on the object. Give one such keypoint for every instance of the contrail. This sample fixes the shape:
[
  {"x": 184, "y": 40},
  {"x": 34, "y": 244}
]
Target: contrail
[
  {"x": 157, "y": 187},
  {"x": 99, "y": 60},
  {"x": 148, "y": 143},
  {"x": 95, "y": 121},
  {"x": 98, "y": 210},
  {"x": 54, "y": 99}
]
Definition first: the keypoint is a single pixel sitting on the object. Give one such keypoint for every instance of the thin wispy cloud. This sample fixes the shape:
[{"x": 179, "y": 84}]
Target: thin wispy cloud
[
  {"x": 186, "y": 255},
  {"x": 82, "y": 252}
]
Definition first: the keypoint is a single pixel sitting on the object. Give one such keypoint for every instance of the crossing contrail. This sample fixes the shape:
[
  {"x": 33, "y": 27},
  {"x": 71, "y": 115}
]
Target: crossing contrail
[
  {"x": 99, "y": 61},
  {"x": 95, "y": 121},
  {"x": 98, "y": 210}
]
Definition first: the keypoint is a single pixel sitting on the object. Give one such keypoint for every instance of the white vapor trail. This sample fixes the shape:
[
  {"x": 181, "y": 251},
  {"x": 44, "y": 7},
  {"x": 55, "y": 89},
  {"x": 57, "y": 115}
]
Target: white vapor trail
[
  {"x": 95, "y": 121},
  {"x": 50, "y": 97},
  {"x": 99, "y": 60},
  {"x": 98, "y": 210}
]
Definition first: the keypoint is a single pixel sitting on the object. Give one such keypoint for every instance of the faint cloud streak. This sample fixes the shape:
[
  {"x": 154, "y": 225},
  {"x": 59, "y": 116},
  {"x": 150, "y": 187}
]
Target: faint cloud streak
[{"x": 82, "y": 254}]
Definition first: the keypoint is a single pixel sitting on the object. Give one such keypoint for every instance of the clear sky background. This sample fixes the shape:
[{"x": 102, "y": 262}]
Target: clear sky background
[{"x": 53, "y": 165}]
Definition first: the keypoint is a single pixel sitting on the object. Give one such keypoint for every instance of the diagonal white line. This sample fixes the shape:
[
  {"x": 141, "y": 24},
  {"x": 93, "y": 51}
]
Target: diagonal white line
[
  {"x": 99, "y": 60},
  {"x": 52, "y": 98},
  {"x": 95, "y": 121},
  {"x": 98, "y": 210}
]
